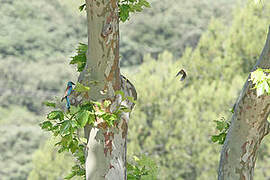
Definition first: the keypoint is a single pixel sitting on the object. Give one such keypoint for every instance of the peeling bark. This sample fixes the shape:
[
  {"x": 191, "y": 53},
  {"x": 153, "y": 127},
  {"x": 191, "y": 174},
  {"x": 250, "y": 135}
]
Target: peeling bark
[
  {"x": 106, "y": 156},
  {"x": 106, "y": 147},
  {"x": 248, "y": 127}
]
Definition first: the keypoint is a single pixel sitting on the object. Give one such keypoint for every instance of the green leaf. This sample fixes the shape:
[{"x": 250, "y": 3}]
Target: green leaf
[
  {"x": 56, "y": 115},
  {"x": 58, "y": 143},
  {"x": 46, "y": 125},
  {"x": 222, "y": 138},
  {"x": 81, "y": 88},
  {"x": 91, "y": 119},
  {"x": 221, "y": 125},
  {"x": 219, "y": 138},
  {"x": 83, "y": 118},
  {"x": 66, "y": 140},
  {"x": 215, "y": 138},
  {"x": 145, "y": 3},
  {"x": 124, "y": 12},
  {"x": 74, "y": 109},
  {"x": 257, "y": 75},
  {"x": 49, "y": 104},
  {"x": 80, "y": 57},
  {"x": 64, "y": 129},
  {"x": 74, "y": 146},
  {"x": 71, "y": 175}
]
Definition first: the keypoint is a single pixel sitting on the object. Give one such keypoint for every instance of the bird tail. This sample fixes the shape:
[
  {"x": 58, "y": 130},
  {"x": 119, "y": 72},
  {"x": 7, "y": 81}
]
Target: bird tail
[{"x": 68, "y": 103}]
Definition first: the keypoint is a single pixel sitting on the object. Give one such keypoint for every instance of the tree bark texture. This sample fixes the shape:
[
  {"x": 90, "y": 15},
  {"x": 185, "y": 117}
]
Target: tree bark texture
[
  {"x": 248, "y": 127},
  {"x": 106, "y": 147}
]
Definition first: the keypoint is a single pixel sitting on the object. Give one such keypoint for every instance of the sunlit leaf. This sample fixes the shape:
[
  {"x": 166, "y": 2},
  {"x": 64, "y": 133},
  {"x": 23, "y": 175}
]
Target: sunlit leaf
[{"x": 56, "y": 115}]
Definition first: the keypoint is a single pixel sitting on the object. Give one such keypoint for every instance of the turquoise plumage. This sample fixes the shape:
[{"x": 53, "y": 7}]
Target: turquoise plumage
[{"x": 67, "y": 93}]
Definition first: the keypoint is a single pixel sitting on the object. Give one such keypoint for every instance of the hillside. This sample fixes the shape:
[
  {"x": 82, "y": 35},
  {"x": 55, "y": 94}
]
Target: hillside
[{"x": 37, "y": 38}]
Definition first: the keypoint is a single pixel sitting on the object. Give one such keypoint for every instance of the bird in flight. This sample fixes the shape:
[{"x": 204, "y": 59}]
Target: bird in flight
[
  {"x": 67, "y": 93},
  {"x": 183, "y": 73}
]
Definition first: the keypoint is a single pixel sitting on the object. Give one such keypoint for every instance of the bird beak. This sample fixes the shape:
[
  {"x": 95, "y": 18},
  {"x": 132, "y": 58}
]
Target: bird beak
[{"x": 72, "y": 83}]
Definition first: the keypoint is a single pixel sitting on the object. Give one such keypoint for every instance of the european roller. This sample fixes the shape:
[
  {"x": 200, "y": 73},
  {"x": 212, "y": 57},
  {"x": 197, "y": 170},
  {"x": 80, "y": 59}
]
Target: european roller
[{"x": 67, "y": 93}]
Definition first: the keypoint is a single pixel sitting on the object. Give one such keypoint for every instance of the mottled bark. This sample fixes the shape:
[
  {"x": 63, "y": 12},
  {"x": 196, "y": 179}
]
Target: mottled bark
[
  {"x": 106, "y": 147},
  {"x": 248, "y": 127}
]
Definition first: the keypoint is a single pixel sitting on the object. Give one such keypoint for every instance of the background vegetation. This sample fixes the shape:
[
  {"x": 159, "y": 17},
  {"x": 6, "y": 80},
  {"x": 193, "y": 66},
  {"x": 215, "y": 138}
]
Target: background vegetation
[{"x": 217, "y": 43}]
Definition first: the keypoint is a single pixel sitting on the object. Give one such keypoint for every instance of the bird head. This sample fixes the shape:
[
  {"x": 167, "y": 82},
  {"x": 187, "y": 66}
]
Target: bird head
[{"x": 70, "y": 83}]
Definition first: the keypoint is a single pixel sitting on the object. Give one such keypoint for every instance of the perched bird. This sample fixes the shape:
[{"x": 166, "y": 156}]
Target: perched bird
[
  {"x": 184, "y": 74},
  {"x": 67, "y": 93}
]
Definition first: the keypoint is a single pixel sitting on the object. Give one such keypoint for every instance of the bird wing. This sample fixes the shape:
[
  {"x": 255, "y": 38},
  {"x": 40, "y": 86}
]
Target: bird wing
[
  {"x": 184, "y": 74},
  {"x": 68, "y": 91}
]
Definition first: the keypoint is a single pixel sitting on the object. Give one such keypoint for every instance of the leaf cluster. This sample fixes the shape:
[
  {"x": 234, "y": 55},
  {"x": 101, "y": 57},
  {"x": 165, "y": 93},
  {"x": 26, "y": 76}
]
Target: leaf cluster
[
  {"x": 126, "y": 7},
  {"x": 222, "y": 126},
  {"x": 261, "y": 79},
  {"x": 80, "y": 57},
  {"x": 66, "y": 125},
  {"x": 130, "y": 6}
]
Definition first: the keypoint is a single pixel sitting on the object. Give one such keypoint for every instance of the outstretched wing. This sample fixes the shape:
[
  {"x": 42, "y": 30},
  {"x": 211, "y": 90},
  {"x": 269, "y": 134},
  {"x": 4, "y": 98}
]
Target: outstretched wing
[{"x": 184, "y": 74}]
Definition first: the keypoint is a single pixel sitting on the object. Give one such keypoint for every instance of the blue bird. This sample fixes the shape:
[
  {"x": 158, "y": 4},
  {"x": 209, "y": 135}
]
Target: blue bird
[{"x": 67, "y": 93}]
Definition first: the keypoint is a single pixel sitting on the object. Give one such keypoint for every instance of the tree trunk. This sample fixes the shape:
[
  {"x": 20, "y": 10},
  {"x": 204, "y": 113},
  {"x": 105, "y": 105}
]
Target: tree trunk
[
  {"x": 248, "y": 127},
  {"x": 106, "y": 147}
]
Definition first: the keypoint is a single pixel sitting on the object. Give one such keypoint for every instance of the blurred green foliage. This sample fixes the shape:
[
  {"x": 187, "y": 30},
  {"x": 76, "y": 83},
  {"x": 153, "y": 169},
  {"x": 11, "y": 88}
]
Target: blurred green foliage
[
  {"x": 172, "y": 122},
  {"x": 36, "y": 38},
  {"x": 169, "y": 25},
  {"x": 38, "y": 30},
  {"x": 20, "y": 137},
  {"x": 143, "y": 168},
  {"x": 49, "y": 164}
]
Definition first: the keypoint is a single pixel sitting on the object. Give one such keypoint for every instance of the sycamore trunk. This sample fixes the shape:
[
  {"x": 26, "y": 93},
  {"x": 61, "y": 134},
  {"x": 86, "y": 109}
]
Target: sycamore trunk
[
  {"x": 249, "y": 126},
  {"x": 106, "y": 146}
]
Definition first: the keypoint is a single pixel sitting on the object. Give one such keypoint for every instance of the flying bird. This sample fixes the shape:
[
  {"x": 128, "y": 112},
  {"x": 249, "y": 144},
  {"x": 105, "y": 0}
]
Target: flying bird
[
  {"x": 67, "y": 93},
  {"x": 184, "y": 74}
]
